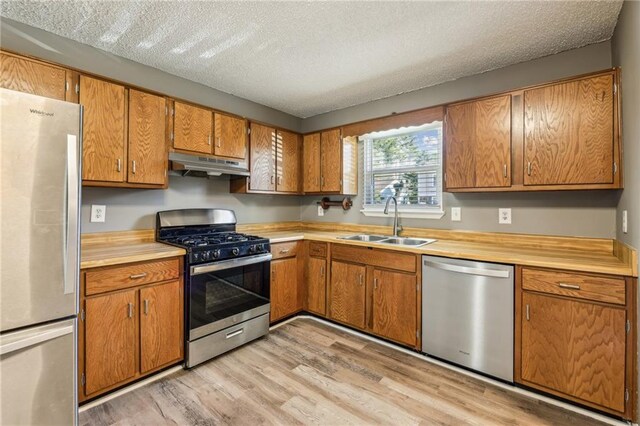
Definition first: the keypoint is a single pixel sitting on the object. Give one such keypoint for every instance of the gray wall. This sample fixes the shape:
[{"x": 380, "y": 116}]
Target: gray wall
[
  {"x": 28, "y": 40},
  {"x": 579, "y": 213}
]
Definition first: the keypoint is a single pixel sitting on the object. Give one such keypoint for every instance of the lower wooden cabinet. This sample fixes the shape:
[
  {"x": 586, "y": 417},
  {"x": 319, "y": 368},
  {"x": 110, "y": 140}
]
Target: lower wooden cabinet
[
  {"x": 317, "y": 285},
  {"x": 348, "y": 293},
  {"x": 573, "y": 345},
  {"x": 395, "y": 299},
  {"x": 129, "y": 329},
  {"x": 286, "y": 291}
]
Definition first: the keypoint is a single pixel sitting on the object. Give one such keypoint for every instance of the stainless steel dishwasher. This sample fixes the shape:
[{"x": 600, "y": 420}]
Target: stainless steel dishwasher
[{"x": 467, "y": 314}]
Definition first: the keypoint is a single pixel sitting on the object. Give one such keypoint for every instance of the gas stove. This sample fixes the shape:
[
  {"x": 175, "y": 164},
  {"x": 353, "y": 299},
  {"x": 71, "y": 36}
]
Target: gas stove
[{"x": 207, "y": 242}]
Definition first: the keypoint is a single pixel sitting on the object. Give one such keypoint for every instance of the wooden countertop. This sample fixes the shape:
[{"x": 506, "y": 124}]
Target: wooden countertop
[{"x": 575, "y": 254}]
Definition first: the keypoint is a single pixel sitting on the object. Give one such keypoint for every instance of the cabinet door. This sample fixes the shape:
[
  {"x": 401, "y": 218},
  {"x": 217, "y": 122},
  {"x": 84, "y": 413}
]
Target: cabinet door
[
  {"x": 347, "y": 293},
  {"x": 192, "y": 128},
  {"x": 460, "y": 164},
  {"x": 574, "y": 347},
  {"x": 492, "y": 142},
  {"x": 317, "y": 285},
  {"x": 311, "y": 163},
  {"x": 331, "y": 161},
  {"x": 32, "y": 77},
  {"x": 568, "y": 133},
  {"x": 288, "y": 162},
  {"x": 103, "y": 133},
  {"x": 161, "y": 330},
  {"x": 284, "y": 288},
  {"x": 262, "y": 142},
  {"x": 230, "y": 136},
  {"x": 395, "y": 298},
  {"x": 111, "y": 340},
  {"x": 148, "y": 150}
]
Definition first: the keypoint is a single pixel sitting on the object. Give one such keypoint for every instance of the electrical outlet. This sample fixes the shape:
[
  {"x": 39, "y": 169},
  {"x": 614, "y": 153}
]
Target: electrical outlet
[
  {"x": 504, "y": 216},
  {"x": 98, "y": 213},
  {"x": 624, "y": 221},
  {"x": 320, "y": 211},
  {"x": 456, "y": 214}
]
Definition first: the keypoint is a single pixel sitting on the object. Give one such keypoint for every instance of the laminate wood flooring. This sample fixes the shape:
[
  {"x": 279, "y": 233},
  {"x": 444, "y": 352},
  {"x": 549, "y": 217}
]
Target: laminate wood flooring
[{"x": 306, "y": 372}]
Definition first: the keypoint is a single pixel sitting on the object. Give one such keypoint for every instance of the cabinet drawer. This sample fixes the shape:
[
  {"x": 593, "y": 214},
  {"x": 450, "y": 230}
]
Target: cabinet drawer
[
  {"x": 601, "y": 289},
  {"x": 374, "y": 257},
  {"x": 131, "y": 275},
  {"x": 318, "y": 249},
  {"x": 282, "y": 250}
]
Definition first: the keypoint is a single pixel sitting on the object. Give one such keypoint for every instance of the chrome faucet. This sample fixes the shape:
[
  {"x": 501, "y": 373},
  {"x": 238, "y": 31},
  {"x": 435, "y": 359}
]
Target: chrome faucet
[{"x": 396, "y": 228}]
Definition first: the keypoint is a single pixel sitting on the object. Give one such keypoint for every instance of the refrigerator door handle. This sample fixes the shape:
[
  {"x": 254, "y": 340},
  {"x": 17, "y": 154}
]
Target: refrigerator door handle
[
  {"x": 70, "y": 273},
  {"x": 35, "y": 339}
]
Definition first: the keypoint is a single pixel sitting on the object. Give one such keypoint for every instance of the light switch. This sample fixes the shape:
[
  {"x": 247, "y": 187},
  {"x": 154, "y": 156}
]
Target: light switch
[
  {"x": 504, "y": 216},
  {"x": 98, "y": 213},
  {"x": 456, "y": 214}
]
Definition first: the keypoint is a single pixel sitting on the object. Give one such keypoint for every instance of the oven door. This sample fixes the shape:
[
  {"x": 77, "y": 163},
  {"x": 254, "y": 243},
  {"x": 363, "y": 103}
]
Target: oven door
[{"x": 227, "y": 292}]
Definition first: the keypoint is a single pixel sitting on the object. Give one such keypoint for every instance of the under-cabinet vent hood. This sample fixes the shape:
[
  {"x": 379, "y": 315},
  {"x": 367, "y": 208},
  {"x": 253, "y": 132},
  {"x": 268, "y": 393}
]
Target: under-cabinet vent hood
[{"x": 207, "y": 166}]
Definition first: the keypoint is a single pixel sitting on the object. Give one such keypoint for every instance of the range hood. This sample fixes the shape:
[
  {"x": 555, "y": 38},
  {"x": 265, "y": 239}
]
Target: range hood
[{"x": 207, "y": 166}]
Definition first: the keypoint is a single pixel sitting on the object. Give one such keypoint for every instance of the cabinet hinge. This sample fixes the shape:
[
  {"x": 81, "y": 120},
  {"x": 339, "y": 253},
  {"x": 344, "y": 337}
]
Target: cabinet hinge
[
  {"x": 82, "y": 315},
  {"x": 248, "y": 130},
  {"x": 83, "y": 379},
  {"x": 77, "y": 88},
  {"x": 628, "y": 326},
  {"x": 66, "y": 86}
]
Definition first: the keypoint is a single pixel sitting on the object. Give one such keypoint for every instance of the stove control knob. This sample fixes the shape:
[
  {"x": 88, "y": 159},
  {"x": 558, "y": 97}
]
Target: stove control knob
[
  {"x": 259, "y": 248},
  {"x": 196, "y": 256},
  {"x": 216, "y": 254},
  {"x": 235, "y": 251},
  {"x": 206, "y": 255}
]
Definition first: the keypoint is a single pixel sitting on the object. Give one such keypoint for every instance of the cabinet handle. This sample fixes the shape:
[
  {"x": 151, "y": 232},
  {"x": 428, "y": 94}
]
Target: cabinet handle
[
  {"x": 146, "y": 306},
  {"x": 219, "y": 143},
  {"x": 209, "y": 139},
  {"x": 136, "y": 276},
  {"x": 272, "y": 179},
  {"x": 361, "y": 279},
  {"x": 133, "y": 167},
  {"x": 528, "y": 313},
  {"x": 284, "y": 251},
  {"x": 529, "y": 168},
  {"x": 119, "y": 165},
  {"x": 322, "y": 271},
  {"x": 235, "y": 333},
  {"x": 375, "y": 283},
  {"x": 130, "y": 310},
  {"x": 569, "y": 286},
  {"x": 321, "y": 181},
  {"x": 279, "y": 180},
  {"x": 504, "y": 170}
]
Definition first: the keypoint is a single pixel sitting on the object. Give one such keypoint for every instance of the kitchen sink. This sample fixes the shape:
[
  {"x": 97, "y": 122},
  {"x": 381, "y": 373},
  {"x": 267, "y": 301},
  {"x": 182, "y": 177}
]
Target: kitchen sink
[
  {"x": 398, "y": 241},
  {"x": 363, "y": 237},
  {"x": 414, "y": 242}
]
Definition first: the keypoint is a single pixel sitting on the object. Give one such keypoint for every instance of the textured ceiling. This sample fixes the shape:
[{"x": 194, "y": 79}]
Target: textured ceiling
[{"x": 306, "y": 58}]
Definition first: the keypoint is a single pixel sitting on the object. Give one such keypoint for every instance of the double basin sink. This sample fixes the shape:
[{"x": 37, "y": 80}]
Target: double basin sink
[{"x": 396, "y": 241}]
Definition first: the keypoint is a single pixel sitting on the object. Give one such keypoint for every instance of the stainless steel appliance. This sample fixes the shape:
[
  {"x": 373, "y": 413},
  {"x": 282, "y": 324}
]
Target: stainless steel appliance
[
  {"x": 467, "y": 314},
  {"x": 39, "y": 230},
  {"x": 227, "y": 278}
]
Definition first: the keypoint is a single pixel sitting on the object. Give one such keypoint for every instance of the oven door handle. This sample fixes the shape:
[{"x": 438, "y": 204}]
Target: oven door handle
[{"x": 231, "y": 263}]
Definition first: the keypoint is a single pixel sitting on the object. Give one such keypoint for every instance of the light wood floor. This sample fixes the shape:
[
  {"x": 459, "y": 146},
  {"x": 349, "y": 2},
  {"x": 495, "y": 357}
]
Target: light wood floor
[{"x": 306, "y": 372}]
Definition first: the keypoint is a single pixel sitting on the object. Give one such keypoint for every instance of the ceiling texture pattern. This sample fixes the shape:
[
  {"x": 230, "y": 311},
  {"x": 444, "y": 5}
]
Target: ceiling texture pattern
[{"x": 306, "y": 58}]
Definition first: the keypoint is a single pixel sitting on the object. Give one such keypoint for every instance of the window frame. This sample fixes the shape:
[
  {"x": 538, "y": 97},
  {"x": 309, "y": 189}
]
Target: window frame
[{"x": 405, "y": 211}]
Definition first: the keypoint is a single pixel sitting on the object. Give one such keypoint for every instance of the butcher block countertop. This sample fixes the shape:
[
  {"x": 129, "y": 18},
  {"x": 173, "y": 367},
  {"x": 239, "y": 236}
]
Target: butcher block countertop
[{"x": 594, "y": 255}]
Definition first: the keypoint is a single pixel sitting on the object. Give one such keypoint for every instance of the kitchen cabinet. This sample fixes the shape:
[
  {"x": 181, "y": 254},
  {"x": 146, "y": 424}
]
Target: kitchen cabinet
[
  {"x": 192, "y": 128},
  {"x": 348, "y": 293},
  {"x": 316, "y": 279},
  {"x": 478, "y": 144},
  {"x": 330, "y": 163},
  {"x": 230, "y": 136},
  {"x": 569, "y": 133},
  {"x": 104, "y": 130},
  {"x": 131, "y": 323},
  {"x": 394, "y": 310},
  {"x": 274, "y": 162},
  {"x": 574, "y": 337},
  {"x": 38, "y": 78},
  {"x": 286, "y": 293}
]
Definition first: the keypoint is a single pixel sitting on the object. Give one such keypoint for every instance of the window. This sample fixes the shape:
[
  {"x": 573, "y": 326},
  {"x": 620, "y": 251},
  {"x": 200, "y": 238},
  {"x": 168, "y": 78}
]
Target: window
[{"x": 405, "y": 163}]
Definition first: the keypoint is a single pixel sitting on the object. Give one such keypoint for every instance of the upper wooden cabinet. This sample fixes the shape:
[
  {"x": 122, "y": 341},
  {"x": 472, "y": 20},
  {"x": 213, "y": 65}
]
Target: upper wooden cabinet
[
  {"x": 569, "y": 132},
  {"x": 330, "y": 163},
  {"x": 104, "y": 130},
  {"x": 148, "y": 150},
  {"x": 38, "y": 78},
  {"x": 274, "y": 158},
  {"x": 478, "y": 144},
  {"x": 230, "y": 136},
  {"x": 124, "y": 136},
  {"x": 556, "y": 136},
  {"x": 192, "y": 128}
]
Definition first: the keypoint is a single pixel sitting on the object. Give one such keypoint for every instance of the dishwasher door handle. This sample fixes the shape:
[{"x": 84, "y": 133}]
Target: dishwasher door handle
[{"x": 468, "y": 270}]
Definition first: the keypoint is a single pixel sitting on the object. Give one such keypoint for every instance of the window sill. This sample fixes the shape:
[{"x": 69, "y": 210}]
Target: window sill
[{"x": 406, "y": 214}]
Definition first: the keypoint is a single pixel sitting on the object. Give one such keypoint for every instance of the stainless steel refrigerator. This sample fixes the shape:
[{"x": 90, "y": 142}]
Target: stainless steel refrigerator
[{"x": 39, "y": 258}]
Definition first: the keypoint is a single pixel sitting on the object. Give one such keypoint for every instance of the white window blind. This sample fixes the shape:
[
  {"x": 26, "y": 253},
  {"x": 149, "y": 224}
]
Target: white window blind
[{"x": 405, "y": 163}]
